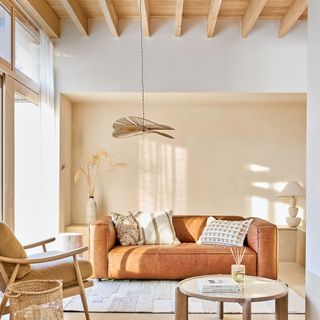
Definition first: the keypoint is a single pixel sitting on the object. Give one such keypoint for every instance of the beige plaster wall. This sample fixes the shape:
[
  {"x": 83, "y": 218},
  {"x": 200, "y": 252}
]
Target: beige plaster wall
[{"x": 231, "y": 153}]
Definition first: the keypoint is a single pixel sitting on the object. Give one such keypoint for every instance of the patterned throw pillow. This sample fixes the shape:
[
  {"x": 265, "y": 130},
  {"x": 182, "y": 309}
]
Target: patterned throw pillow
[
  {"x": 156, "y": 228},
  {"x": 127, "y": 229},
  {"x": 225, "y": 232}
]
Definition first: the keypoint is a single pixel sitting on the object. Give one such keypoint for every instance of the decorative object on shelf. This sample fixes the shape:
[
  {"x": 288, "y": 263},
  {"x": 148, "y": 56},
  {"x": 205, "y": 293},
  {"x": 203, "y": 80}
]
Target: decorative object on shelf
[
  {"x": 238, "y": 270},
  {"x": 91, "y": 210},
  {"x": 132, "y": 126},
  {"x": 292, "y": 190},
  {"x": 36, "y": 299},
  {"x": 89, "y": 171}
]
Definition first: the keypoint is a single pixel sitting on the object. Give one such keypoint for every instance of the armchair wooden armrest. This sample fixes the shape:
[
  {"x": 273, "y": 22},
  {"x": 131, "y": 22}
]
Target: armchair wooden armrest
[
  {"x": 59, "y": 256},
  {"x": 38, "y": 244}
]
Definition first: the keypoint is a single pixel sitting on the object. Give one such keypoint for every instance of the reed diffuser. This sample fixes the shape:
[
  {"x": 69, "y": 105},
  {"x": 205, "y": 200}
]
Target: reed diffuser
[{"x": 238, "y": 270}]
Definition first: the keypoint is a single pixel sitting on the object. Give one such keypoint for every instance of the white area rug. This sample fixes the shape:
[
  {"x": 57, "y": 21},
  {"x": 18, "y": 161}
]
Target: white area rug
[{"x": 158, "y": 297}]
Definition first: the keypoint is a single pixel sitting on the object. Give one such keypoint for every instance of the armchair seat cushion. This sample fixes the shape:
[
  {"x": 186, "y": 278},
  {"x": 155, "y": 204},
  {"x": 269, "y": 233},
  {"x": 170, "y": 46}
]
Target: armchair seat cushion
[{"x": 62, "y": 269}]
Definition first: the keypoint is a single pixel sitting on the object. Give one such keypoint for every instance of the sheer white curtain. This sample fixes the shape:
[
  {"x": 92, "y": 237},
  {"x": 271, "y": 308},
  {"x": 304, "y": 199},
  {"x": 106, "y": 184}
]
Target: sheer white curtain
[{"x": 49, "y": 164}]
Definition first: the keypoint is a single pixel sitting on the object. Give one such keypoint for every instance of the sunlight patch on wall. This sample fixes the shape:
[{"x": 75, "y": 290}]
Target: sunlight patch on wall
[
  {"x": 181, "y": 169},
  {"x": 261, "y": 185},
  {"x": 276, "y": 186},
  {"x": 162, "y": 176},
  {"x": 258, "y": 168},
  {"x": 259, "y": 207}
]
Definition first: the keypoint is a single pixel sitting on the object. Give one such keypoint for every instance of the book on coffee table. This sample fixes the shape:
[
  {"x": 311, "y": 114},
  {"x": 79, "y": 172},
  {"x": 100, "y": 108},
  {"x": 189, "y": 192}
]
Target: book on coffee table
[{"x": 217, "y": 285}]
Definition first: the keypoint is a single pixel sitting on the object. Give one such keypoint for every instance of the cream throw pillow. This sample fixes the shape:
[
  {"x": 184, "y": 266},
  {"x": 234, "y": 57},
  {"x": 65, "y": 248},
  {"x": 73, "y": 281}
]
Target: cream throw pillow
[
  {"x": 156, "y": 228},
  {"x": 127, "y": 229},
  {"x": 225, "y": 232}
]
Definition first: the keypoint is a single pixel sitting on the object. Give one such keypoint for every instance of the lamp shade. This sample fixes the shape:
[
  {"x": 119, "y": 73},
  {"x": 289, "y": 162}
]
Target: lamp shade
[{"x": 292, "y": 189}]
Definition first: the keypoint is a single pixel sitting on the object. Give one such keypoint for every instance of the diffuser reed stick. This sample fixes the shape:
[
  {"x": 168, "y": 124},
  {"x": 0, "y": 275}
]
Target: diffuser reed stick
[{"x": 238, "y": 254}]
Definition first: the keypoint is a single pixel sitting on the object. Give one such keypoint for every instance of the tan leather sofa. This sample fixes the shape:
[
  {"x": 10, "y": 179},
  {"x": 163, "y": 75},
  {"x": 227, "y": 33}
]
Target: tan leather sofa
[{"x": 111, "y": 260}]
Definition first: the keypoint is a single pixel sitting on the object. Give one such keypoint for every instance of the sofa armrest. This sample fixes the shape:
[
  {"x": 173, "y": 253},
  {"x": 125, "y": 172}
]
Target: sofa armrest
[
  {"x": 103, "y": 238},
  {"x": 262, "y": 237}
]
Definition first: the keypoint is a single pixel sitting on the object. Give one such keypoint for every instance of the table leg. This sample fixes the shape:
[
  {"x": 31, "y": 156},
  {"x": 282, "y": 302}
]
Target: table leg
[
  {"x": 219, "y": 310},
  {"x": 181, "y": 312},
  {"x": 246, "y": 313},
  {"x": 282, "y": 308}
]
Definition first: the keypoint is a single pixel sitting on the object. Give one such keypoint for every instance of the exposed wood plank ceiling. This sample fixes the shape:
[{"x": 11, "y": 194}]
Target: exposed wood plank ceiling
[{"x": 247, "y": 11}]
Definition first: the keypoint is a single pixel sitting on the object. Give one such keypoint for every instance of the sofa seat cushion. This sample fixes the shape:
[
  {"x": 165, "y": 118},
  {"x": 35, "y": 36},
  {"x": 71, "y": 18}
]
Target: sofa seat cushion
[
  {"x": 58, "y": 270},
  {"x": 174, "y": 261}
]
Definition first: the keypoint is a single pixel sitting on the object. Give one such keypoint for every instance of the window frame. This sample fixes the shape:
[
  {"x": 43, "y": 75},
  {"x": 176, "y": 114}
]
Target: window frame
[
  {"x": 14, "y": 81},
  {"x": 9, "y": 8},
  {"x": 9, "y": 68},
  {"x": 1, "y": 144},
  {"x": 35, "y": 34}
]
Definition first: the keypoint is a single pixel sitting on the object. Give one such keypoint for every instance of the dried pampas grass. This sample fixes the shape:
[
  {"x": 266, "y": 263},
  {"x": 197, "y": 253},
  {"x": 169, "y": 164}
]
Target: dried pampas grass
[{"x": 92, "y": 165}]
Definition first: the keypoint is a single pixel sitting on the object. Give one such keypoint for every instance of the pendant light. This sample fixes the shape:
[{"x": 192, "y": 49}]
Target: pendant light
[{"x": 131, "y": 125}]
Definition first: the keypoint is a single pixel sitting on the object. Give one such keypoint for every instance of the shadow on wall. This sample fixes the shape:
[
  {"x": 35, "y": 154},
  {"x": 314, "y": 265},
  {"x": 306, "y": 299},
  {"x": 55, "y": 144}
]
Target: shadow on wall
[{"x": 165, "y": 178}]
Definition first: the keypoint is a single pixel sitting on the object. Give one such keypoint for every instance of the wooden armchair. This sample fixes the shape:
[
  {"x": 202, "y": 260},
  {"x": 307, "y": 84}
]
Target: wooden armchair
[{"x": 15, "y": 266}]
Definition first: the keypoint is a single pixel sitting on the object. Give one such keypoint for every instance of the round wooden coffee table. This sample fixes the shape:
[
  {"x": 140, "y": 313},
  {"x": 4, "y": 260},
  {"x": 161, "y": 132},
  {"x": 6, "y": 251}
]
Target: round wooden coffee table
[{"x": 255, "y": 289}]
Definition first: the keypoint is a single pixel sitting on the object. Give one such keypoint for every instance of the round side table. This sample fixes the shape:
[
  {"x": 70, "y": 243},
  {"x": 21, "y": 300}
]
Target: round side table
[
  {"x": 71, "y": 241},
  {"x": 255, "y": 289}
]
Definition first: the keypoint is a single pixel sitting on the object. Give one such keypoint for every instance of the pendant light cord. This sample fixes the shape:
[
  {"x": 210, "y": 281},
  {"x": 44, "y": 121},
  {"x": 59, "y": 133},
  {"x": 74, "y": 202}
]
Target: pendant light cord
[{"x": 142, "y": 65}]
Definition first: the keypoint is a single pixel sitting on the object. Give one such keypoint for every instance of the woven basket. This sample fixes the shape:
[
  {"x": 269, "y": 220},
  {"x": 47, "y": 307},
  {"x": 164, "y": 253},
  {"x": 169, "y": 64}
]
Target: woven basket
[{"x": 36, "y": 300}]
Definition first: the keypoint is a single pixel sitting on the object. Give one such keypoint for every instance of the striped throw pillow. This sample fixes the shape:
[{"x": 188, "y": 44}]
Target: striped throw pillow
[
  {"x": 156, "y": 228},
  {"x": 225, "y": 232}
]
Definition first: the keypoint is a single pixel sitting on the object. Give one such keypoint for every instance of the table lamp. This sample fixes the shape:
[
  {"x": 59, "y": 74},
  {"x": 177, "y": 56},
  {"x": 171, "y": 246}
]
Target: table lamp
[{"x": 292, "y": 190}]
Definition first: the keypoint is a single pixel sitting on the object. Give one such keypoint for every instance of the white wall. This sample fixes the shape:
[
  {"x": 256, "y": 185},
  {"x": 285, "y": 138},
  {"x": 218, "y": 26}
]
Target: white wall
[
  {"x": 313, "y": 160},
  {"x": 230, "y": 156},
  {"x": 226, "y": 63}
]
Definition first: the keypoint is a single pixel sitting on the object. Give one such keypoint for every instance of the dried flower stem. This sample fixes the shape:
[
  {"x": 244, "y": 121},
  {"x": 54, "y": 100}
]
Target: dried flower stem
[{"x": 92, "y": 166}]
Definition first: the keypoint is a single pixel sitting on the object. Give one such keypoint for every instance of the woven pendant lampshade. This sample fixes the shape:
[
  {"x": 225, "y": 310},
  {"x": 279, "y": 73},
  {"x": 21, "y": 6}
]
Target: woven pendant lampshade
[
  {"x": 131, "y": 125},
  {"x": 134, "y": 126}
]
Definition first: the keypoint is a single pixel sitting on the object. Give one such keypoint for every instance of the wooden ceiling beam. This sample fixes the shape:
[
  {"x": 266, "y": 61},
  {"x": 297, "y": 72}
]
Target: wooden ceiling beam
[
  {"x": 291, "y": 16},
  {"x": 44, "y": 15},
  {"x": 179, "y": 15},
  {"x": 111, "y": 16},
  {"x": 251, "y": 16},
  {"x": 145, "y": 17},
  {"x": 77, "y": 15},
  {"x": 215, "y": 6}
]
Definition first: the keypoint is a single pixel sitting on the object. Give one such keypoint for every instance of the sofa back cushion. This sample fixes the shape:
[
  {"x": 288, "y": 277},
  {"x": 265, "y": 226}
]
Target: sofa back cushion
[{"x": 190, "y": 228}]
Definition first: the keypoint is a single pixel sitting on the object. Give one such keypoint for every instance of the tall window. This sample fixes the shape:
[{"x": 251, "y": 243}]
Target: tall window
[
  {"x": 19, "y": 117},
  {"x": 5, "y": 34},
  {"x": 27, "y": 51},
  {"x": 26, "y": 168}
]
